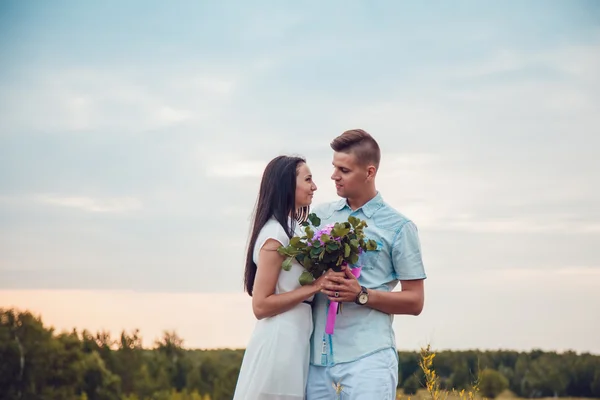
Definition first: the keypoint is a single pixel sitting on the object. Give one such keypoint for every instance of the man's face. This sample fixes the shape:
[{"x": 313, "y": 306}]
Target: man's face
[{"x": 349, "y": 176}]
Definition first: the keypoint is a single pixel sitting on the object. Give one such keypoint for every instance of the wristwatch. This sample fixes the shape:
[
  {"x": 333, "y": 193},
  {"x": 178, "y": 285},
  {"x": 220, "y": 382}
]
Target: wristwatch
[{"x": 362, "y": 297}]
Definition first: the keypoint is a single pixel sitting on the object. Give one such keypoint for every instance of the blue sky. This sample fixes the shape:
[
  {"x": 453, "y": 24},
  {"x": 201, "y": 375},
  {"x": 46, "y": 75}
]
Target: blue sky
[{"x": 133, "y": 136}]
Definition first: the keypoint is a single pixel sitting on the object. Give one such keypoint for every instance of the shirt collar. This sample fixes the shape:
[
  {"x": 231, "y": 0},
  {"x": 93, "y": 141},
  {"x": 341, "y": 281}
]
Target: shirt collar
[{"x": 368, "y": 208}]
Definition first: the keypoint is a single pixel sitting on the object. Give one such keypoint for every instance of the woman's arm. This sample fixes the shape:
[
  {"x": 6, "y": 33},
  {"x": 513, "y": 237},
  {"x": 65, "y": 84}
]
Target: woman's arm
[{"x": 265, "y": 303}]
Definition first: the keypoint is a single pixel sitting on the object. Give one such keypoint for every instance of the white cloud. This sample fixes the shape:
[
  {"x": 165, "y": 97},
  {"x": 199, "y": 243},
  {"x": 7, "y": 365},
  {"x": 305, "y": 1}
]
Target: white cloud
[
  {"x": 170, "y": 115},
  {"x": 236, "y": 212},
  {"x": 437, "y": 195},
  {"x": 560, "y": 275},
  {"x": 521, "y": 224},
  {"x": 577, "y": 60},
  {"x": 228, "y": 166},
  {"x": 213, "y": 84},
  {"x": 90, "y": 99},
  {"x": 580, "y": 271},
  {"x": 104, "y": 205}
]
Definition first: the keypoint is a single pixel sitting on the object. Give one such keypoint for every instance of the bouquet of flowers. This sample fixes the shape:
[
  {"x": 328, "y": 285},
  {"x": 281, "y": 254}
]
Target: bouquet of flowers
[
  {"x": 332, "y": 247},
  {"x": 329, "y": 247}
]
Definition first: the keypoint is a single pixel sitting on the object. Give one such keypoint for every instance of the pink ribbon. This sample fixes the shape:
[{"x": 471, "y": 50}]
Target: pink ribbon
[{"x": 333, "y": 307}]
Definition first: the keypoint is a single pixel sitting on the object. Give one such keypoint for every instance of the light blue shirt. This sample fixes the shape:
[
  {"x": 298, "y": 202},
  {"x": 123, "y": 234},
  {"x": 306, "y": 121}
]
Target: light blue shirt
[{"x": 361, "y": 330}]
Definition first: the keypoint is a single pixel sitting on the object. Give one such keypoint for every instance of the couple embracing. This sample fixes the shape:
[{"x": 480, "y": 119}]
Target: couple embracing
[{"x": 291, "y": 355}]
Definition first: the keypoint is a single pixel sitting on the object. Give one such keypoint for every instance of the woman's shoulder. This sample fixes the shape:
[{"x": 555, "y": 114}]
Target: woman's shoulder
[{"x": 274, "y": 230}]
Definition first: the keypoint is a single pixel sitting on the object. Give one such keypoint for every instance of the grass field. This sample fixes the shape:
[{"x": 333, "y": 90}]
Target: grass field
[{"x": 423, "y": 394}]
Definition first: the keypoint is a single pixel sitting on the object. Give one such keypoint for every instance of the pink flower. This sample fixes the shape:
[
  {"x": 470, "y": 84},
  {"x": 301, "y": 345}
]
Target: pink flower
[{"x": 324, "y": 231}]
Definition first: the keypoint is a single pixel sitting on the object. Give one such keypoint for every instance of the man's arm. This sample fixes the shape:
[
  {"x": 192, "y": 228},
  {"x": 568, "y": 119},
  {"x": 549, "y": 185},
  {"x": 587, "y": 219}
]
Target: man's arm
[{"x": 408, "y": 301}]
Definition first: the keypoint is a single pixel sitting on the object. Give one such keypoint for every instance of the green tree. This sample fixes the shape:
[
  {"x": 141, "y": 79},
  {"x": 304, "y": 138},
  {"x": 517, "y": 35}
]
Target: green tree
[
  {"x": 35, "y": 364},
  {"x": 461, "y": 378},
  {"x": 492, "y": 383},
  {"x": 178, "y": 367},
  {"x": 546, "y": 376},
  {"x": 98, "y": 382},
  {"x": 518, "y": 384},
  {"x": 581, "y": 374},
  {"x": 595, "y": 385},
  {"x": 208, "y": 371},
  {"x": 128, "y": 359},
  {"x": 411, "y": 385},
  {"x": 408, "y": 365},
  {"x": 225, "y": 384}
]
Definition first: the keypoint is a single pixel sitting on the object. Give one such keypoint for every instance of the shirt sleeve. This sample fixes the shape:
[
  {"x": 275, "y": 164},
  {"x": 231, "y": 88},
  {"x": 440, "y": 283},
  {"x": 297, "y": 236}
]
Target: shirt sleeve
[
  {"x": 406, "y": 253},
  {"x": 272, "y": 230}
]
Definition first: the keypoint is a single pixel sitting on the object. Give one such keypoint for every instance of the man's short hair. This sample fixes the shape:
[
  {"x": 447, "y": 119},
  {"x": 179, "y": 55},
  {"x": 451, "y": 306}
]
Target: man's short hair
[{"x": 361, "y": 144}]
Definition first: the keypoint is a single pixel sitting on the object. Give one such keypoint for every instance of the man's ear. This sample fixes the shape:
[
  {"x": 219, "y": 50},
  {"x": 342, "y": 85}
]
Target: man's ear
[{"x": 371, "y": 172}]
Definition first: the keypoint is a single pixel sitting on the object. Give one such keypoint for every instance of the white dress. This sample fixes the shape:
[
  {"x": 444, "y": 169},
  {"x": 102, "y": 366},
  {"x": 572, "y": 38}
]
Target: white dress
[{"x": 275, "y": 364}]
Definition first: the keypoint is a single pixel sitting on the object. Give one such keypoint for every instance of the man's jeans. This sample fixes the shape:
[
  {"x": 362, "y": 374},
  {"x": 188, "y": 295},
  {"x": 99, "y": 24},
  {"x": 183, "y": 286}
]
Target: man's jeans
[{"x": 372, "y": 377}]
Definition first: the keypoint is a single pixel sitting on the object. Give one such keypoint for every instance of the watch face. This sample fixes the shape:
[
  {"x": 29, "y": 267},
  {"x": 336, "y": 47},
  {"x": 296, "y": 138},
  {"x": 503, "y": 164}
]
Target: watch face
[{"x": 362, "y": 299}]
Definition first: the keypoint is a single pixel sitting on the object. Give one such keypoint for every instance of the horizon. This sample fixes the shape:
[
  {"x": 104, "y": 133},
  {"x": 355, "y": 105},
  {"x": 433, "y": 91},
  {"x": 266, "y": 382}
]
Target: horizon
[
  {"x": 115, "y": 311},
  {"x": 149, "y": 343}
]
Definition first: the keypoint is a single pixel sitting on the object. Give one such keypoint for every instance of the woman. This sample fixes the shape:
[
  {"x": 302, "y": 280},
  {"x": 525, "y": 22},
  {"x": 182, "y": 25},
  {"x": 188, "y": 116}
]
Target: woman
[{"x": 275, "y": 365}]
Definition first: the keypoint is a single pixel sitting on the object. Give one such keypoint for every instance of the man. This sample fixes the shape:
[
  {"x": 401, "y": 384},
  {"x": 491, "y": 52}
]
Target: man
[{"x": 360, "y": 358}]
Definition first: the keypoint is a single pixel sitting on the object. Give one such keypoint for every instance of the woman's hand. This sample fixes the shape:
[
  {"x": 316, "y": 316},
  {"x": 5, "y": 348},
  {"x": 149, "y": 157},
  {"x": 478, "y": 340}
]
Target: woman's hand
[{"x": 319, "y": 283}]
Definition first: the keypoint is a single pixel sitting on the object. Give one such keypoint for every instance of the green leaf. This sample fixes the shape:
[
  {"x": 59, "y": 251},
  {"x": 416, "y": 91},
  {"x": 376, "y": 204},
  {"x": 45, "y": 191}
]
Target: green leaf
[
  {"x": 295, "y": 241},
  {"x": 332, "y": 246},
  {"x": 340, "y": 232},
  {"x": 306, "y": 278},
  {"x": 354, "y": 243},
  {"x": 314, "y": 220},
  {"x": 346, "y": 250},
  {"x": 353, "y": 259},
  {"x": 353, "y": 221},
  {"x": 290, "y": 252},
  {"x": 325, "y": 238},
  {"x": 307, "y": 263},
  {"x": 287, "y": 264},
  {"x": 371, "y": 245},
  {"x": 287, "y": 251},
  {"x": 309, "y": 233},
  {"x": 314, "y": 252}
]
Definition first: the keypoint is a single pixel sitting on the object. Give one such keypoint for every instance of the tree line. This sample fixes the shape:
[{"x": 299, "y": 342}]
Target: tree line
[{"x": 36, "y": 362}]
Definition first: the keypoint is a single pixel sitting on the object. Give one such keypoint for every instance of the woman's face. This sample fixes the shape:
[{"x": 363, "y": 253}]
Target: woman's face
[{"x": 305, "y": 187}]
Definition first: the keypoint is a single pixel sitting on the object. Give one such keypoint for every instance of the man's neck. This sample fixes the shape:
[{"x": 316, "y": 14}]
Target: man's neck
[{"x": 357, "y": 202}]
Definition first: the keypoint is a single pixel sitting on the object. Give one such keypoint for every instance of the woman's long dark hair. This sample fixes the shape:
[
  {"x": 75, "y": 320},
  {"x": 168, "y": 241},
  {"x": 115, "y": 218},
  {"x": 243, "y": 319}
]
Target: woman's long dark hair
[{"x": 276, "y": 198}]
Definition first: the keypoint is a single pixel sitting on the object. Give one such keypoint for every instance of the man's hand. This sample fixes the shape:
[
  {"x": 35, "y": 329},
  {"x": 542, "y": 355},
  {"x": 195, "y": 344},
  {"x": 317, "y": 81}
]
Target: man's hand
[{"x": 341, "y": 286}]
